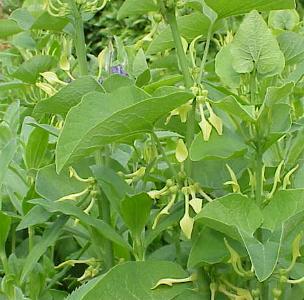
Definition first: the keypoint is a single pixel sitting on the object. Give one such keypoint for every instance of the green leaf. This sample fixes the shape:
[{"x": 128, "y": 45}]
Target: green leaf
[
  {"x": 36, "y": 148},
  {"x": 224, "y": 68},
  {"x": 232, "y": 214},
  {"x": 5, "y": 225},
  {"x": 264, "y": 256},
  {"x": 52, "y": 186},
  {"x": 69, "y": 209},
  {"x": 135, "y": 211},
  {"x": 208, "y": 247},
  {"x": 30, "y": 70},
  {"x": 23, "y": 18},
  {"x": 6, "y": 155},
  {"x": 133, "y": 281},
  {"x": 136, "y": 8},
  {"x": 47, "y": 22},
  {"x": 116, "y": 81},
  {"x": 223, "y": 146},
  {"x": 226, "y": 8},
  {"x": 284, "y": 205},
  {"x": 190, "y": 27},
  {"x": 68, "y": 96},
  {"x": 239, "y": 217},
  {"x": 164, "y": 82},
  {"x": 37, "y": 215},
  {"x": 233, "y": 107},
  {"x": 212, "y": 174},
  {"x": 105, "y": 118},
  {"x": 254, "y": 47},
  {"x": 292, "y": 44},
  {"x": 112, "y": 185},
  {"x": 286, "y": 19},
  {"x": 8, "y": 27},
  {"x": 49, "y": 237},
  {"x": 139, "y": 63}
]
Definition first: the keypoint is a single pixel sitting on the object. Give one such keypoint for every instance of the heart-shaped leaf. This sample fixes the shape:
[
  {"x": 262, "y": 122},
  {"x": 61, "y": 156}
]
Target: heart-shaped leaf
[{"x": 254, "y": 47}]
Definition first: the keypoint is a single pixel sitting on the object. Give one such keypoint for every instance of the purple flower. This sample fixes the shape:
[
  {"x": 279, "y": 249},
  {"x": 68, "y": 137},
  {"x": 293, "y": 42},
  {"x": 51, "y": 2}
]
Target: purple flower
[{"x": 119, "y": 70}]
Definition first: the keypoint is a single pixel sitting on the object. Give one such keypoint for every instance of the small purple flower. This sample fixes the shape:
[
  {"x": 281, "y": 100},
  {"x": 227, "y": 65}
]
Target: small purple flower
[{"x": 119, "y": 70}]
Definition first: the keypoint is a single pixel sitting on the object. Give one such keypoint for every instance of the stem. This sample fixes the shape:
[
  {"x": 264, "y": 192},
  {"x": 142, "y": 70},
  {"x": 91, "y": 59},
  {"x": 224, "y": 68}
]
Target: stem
[
  {"x": 163, "y": 153},
  {"x": 79, "y": 39},
  {"x": 205, "y": 55},
  {"x": 170, "y": 17},
  {"x": 105, "y": 213},
  {"x": 259, "y": 178},
  {"x": 139, "y": 250},
  {"x": 190, "y": 136}
]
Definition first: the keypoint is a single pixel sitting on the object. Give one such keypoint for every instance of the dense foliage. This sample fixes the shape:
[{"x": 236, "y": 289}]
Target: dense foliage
[{"x": 151, "y": 149}]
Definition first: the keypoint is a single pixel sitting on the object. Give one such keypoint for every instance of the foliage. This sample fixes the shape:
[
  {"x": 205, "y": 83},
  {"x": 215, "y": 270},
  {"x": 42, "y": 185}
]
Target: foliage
[{"x": 161, "y": 160}]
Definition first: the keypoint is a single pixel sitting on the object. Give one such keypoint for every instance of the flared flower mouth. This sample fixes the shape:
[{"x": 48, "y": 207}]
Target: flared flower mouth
[{"x": 119, "y": 69}]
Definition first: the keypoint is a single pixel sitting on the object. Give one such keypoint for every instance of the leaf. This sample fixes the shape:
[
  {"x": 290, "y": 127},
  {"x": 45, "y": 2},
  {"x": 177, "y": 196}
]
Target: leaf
[
  {"x": 283, "y": 19},
  {"x": 254, "y": 47},
  {"x": 30, "y": 70},
  {"x": 49, "y": 237},
  {"x": 52, "y": 186},
  {"x": 163, "y": 83},
  {"x": 264, "y": 256},
  {"x": 112, "y": 185},
  {"x": 116, "y": 81},
  {"x": 8, "y": 27},
  {"x": 208, "y": 247},
  {"x": 23, "y": 18},
  {"x": 6, "y": 155},
  {"x": 233, "y": 107},
  {"x": 5, "y": 225},
  {"x": 139, "y": 64},
  {"x": 136, "y": 8},
  {"x": 223, "y": 146},
  {"x": 69, "y": 209},
  {"x": 135, "y": 211},
  {"x": 283, "y": 206},
  {"x": 36, "y": 148},
  {"x": 37, "y": 215},
  {"x": 224, "y": 68},
  {"x": 292, "y": 44},
  {"x": 47, "y": 22},
  {"x": 226, "y": 8},
  {"x": 232, "y": 214},
  {"x": 106, "y": 118},
  {"x": 190, "y": 27},
  {"x": 133, "y": 281},
  {"x": 68, "y": 96},
  {"x": 239, "y": 217}
]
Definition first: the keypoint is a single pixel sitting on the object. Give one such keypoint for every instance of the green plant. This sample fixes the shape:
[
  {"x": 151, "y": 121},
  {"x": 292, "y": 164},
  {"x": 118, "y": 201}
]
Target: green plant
[{"x": 170, "y": 168}]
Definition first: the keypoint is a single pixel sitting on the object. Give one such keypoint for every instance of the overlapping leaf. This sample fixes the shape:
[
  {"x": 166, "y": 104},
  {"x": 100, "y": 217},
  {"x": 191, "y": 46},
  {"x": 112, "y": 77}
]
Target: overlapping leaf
[{"x": 105, "y": 118}]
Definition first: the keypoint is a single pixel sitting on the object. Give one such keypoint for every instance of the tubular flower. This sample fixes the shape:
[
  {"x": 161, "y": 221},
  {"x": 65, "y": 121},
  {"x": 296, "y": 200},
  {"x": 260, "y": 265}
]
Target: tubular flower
[
  {"x": 171, "y": 281},
  {"x": 181, "y": 111},
  {"x": 186, "y": 223},
  {"x": 215, "y": 121},
  {"x": 164, "y": 211},
  {"x": 235, "y": 261},
  {"x": 233, "y": 182},
  {"x": 181, "y": 152}
]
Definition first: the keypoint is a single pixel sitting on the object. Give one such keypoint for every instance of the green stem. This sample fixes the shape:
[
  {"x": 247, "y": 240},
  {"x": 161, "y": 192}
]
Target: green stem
[
  {"x": 139, "y": 250},
  {"x": 170, "y": 17},
  {"x": 190, "y": 136},
  {"x": 163, "y": 153},
  {"x": 105, "y": 213},
  {"x": 79, "y": 39},
  {"x": 259, "y": 178},
  {"x": 205, "y": 55}
]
